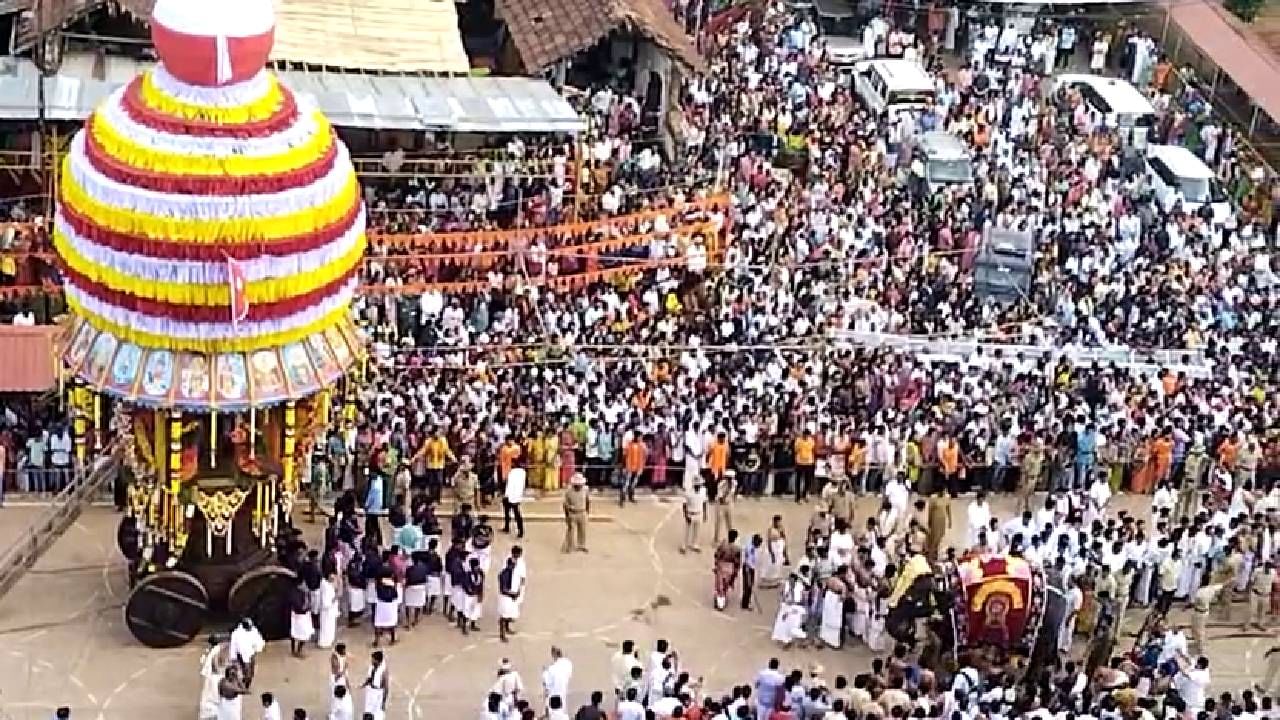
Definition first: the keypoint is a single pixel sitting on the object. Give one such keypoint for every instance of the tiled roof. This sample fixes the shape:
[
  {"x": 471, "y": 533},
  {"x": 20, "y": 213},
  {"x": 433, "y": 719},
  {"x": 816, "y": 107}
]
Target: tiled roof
[{"x": 545, "y": 31}]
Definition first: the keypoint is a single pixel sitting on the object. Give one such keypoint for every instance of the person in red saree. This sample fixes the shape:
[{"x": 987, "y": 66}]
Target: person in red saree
[
  {"x": 727, "y": 564},
  {"x": 568, "y": 449},
  {"x": 658, "y": 455}
]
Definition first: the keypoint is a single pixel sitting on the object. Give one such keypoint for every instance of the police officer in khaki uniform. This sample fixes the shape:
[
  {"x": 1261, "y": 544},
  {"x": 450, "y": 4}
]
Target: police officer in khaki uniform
[
  {"x": 1201, "y": 602},
  {"x": 465, "y": 483},
  {"x": 841, "y": 503},
  {"x": 1259, "y": 594},
  {"x": 1032, "y": 467},
  {"x": 1192, "y": 469},
  {"x": 1226, "y": 575},
  {"x": 726, "y": 491},
  {"x": 577, "y": 508}
]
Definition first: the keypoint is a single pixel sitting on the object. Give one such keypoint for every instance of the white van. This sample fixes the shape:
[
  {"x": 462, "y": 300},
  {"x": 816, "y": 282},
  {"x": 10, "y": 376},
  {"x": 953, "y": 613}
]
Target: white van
[
  {"x": 946, "y": 159},
  {"x": 1176, "y": 174},
  {"x": 843, "y": 38},
  {"x": 893, "y": 84},
  {"x": 1120, "y": 104}
]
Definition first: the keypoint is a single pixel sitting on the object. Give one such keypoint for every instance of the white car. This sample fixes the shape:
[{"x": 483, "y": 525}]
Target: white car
[{"x": 1177, "y": 175}]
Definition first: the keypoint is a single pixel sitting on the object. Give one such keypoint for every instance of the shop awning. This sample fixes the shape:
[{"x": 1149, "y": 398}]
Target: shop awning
[
  {"x": 68, "y": 96},
  {"x": 1228, "y": 46},
  {"x": 504, "y": 104},
  {"x": 377, "y": 102},
  {"x": 30, "y": 358}
]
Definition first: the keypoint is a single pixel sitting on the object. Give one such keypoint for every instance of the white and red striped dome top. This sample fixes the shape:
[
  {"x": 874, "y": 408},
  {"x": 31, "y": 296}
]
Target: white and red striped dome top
[{"x": 212, "y": 43}]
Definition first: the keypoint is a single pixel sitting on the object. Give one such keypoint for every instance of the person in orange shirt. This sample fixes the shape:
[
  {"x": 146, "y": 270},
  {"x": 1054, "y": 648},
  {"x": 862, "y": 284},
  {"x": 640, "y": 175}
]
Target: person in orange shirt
[
  {"x": 949, "y": 463},
  {"x": 1162, "y": 456},
  {"x": 857, "y": 463},
  {"x": 805, "y": 448},
  {"x": 634, "y": 455},
  {"x": 718, "y": 455},
  {"x": 507, "y": 456},
  {"x": 1227, "y": 452}
]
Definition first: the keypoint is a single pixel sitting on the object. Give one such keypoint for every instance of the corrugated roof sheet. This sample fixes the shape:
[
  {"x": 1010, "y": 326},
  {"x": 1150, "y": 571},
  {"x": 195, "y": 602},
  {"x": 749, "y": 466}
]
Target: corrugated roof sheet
[
  {"x": 545, "y": 31},
  {"x": 30, "y": 358},
  {"x": 386, "y": 35},
  {"x": 401, "y": 102},
  {"x": 1230, "y": 48}
]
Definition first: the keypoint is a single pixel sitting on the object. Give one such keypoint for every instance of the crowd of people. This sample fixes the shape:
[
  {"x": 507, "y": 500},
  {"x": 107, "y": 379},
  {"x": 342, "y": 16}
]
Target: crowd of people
[
  {"x": 728, "y": 377},
  {"x": 764, "y": 363}
]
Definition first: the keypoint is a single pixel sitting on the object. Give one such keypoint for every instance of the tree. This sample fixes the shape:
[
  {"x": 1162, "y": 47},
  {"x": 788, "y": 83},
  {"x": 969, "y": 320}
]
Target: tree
[{"x": 1246, "y": 10}]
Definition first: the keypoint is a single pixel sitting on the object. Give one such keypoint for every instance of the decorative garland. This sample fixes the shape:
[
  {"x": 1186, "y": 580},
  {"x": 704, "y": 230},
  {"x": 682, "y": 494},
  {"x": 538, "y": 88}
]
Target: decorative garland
[
  {"x": 161, "y": 248},
  {"x": 210, "y": 231},
  {"x": 212, "y": 271},
  {"x": 219, "y": 508},
  {"x": 200, "y": 340},
  {"x": 282, "y": 288}
]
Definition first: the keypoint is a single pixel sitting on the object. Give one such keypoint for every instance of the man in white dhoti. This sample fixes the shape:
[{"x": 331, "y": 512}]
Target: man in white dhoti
[
  {"x": 509, "y": 685},
  {"x": 212, "y": 667},
  {"x": 328, "y": 611},
  {"x": 245, "y": 644},
  {"x": 832, "y": 628},
  {"x": 376, "y": 685},
  {"x": 301, "y": 627},
  {"x": 979, "y": 517},
  {"x": 556, "y": 676},
  {"x": 1197, "y": 560},
  {"x": 341, "y": 706},
  {"x": 511, "y": 581},
  {"x": 231, "y": 692},
  {"x": 788, "y": 626},
  {"x": 1074, "y": 601}
]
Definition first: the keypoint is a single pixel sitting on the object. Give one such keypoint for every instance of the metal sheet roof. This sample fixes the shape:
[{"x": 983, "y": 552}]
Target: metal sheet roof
[
  {"x": 400, "y": 102},
  {"x": 30, "y": 358}
]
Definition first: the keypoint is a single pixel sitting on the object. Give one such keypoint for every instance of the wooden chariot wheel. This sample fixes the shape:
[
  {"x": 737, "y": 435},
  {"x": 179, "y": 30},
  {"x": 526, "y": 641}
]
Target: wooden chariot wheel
[
  {"x": 167, "y": 609},
  {"x": 262, "y": 595}
]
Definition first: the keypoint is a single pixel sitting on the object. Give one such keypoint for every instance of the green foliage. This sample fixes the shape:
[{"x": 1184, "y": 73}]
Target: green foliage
[{"x": 1246, "y": 10}]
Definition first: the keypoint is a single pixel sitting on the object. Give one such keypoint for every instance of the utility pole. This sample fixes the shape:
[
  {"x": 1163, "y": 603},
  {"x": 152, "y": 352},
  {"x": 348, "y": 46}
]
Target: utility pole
[{"x": 47, "y": 56}]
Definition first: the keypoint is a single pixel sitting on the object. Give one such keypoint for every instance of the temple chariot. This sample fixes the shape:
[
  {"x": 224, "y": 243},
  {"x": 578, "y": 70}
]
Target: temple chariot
[{"x": 209, "y": 230}]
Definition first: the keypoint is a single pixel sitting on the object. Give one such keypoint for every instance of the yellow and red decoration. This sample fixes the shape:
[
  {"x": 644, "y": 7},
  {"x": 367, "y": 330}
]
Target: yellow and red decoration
[{"x": 204, "y": 163}]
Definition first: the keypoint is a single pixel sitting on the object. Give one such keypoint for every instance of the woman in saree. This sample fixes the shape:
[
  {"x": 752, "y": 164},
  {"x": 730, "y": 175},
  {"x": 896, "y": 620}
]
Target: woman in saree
[
  {"x": 568, "y": 454},
  {"x": 658, "y": 459},
  {"x": 1141, "y": 478},
  {"x": 535, "y": 450},
  {"x": 1161, "y": 458},
  {"x": 550, "y": 479}
]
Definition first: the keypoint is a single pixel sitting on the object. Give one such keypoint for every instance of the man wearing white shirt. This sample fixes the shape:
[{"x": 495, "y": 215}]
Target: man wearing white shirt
[
  {"x": 630, "y": 707},
  {"x": 512, "y": 496},
  {"x": 979, "y": 517},
  {"x": 896, "y": 492},
  {"x": 694, "y": 449},
  {"x": 341, "y": 707},
  {"x": 841, "y": 544},
  {"x": 1192, "y": 682},
  {"x": 556, "y": 676}
]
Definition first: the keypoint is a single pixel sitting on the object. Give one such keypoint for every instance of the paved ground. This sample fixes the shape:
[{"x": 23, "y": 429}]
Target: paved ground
[{"x": 63, "y": 641}]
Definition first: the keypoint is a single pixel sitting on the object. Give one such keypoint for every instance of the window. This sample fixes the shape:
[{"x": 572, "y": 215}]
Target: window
[
  {"x": 910, "y": 97},
  {"x": 1195, "y": 190},
  {"x": 1162, "y": 171},
  {"x": 1094, "y": 98},
  {"x": 950, "y": 170}
]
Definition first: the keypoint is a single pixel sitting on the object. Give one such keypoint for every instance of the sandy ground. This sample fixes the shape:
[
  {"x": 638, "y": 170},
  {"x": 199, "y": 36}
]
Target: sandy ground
[{"x": 63, "y": 639}]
